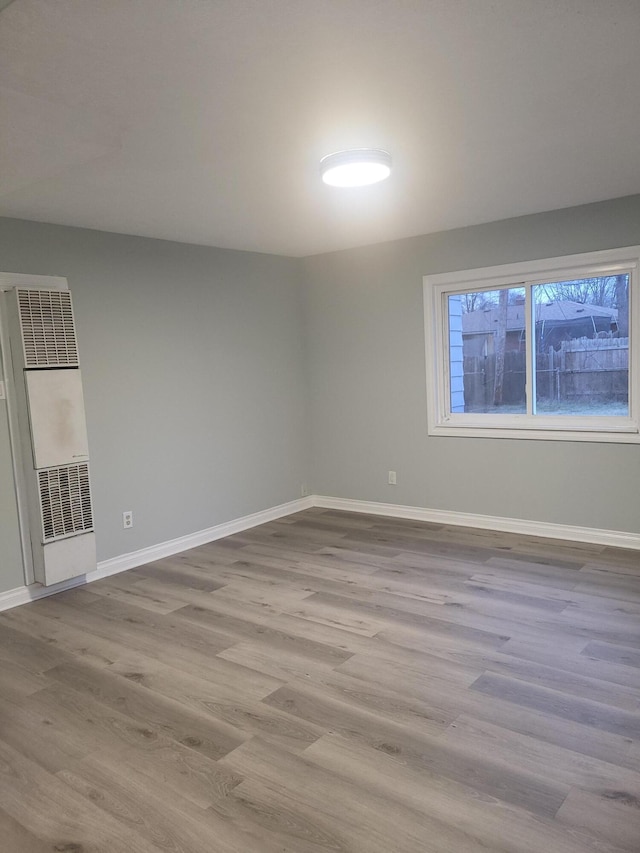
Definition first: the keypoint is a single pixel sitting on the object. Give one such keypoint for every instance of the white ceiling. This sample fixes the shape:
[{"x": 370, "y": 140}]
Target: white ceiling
[{"x": 204, "y": 120}]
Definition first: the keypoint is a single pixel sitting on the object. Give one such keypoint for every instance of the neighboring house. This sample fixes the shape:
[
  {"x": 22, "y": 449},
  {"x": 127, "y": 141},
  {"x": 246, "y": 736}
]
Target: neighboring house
[{"x": 555, "y": 322}]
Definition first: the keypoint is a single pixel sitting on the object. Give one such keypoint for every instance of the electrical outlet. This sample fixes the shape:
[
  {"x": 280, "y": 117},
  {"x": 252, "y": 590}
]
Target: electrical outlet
[
  {"x": 127, "y": 519},
  {"x": 304, "y": 490},
  {"x": 392, "y": 478}
]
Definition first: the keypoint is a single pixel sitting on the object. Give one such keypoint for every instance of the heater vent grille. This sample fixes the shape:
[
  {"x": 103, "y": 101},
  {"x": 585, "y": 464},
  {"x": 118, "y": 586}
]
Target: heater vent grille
[
  {"x": 48, "y": 330},
  {"x": 65, "y": 501}
]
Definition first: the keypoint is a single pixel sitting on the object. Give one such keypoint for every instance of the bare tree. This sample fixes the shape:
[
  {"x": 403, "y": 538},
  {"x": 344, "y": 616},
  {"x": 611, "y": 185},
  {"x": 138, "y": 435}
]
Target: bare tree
[
  {"x": 475, "y": 301},
  {"x": 593, "y": 291},
  {"x": 500, "y": 346},
  {"x": 622, "y": 304}
]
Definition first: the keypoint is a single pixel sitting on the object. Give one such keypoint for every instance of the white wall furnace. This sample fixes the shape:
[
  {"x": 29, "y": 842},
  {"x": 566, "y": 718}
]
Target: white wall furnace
[{"x": 55, "y": 452}]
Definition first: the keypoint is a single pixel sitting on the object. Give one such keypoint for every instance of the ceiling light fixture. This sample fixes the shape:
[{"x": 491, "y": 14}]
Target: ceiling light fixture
[{"x": 355, "y": 168}]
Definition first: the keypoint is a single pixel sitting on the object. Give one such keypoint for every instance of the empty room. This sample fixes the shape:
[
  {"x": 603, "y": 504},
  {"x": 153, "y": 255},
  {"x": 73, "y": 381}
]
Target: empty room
[{"x": 319, "y": 426}]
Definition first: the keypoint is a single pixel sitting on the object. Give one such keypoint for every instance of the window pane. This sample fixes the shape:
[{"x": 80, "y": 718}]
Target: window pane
[
  {"x": 582, "y": 346},
  {"x": 487, "y": 357}
]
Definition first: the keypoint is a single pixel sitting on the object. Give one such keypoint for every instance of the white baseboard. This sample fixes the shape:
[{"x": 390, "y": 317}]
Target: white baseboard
[
  {"x": 549, "y": 530},
  {"x": 24, "y": 594},
  {"x": 546, "y": 529},
  {"x": 192, "y": 540}
]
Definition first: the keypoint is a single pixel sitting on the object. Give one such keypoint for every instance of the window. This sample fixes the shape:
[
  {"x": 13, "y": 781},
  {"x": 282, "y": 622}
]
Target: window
[{"x": 545, "y": 349}]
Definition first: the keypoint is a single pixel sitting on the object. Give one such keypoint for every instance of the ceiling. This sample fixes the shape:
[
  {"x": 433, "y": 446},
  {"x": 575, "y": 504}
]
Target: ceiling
[{"x": 204, "y": 120}]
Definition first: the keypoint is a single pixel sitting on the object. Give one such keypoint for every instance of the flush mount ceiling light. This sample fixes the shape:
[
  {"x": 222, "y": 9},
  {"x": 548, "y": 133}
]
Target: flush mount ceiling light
[{"x": 355, "y": 168}]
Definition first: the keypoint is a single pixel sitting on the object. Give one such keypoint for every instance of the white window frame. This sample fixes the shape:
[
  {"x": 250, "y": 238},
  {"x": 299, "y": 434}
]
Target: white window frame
[{"x": 440, "y": 419}]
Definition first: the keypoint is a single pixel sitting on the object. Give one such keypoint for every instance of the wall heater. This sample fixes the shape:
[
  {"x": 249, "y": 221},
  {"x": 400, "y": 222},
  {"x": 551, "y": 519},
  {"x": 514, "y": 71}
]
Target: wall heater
[{"x": 53, "y": 433}]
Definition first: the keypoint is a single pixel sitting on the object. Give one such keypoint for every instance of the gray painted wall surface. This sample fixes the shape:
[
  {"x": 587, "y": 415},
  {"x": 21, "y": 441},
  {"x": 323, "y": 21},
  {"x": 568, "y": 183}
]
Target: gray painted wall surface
[
  {"x": 367, "y": 382},
  {"x": 213, "y": 377},
  {"x": 11, "y": 575},
  {"x": 192, "y": 362}
]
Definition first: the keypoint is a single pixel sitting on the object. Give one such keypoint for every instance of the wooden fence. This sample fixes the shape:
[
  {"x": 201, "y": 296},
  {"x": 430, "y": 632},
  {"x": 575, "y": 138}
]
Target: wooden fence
[
  {"x": 589, "y": 369},
  {"x": 480, "y": 377}
]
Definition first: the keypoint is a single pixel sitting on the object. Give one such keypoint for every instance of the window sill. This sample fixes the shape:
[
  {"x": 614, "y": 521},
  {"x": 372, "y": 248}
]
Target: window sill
[{"x": 626, "y": 432}]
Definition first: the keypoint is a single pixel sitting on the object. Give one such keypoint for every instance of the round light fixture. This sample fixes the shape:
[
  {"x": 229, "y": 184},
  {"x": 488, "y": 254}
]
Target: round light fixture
[{"x": 355, "y": 168}]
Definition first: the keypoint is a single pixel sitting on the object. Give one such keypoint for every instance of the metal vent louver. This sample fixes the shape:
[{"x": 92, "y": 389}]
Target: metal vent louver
[
  {"x": 48, "y": 330},
  {"x": 65, "y": 501}
]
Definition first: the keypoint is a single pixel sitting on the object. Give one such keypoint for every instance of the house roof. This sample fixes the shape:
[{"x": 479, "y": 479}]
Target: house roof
[
  {"x": 205, "y": 121},
  {"x": 483, "y": 321}
]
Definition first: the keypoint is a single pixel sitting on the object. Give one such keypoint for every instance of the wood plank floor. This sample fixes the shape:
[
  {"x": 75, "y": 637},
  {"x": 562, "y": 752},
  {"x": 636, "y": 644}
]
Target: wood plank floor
[{"x": 330, "y": 682}]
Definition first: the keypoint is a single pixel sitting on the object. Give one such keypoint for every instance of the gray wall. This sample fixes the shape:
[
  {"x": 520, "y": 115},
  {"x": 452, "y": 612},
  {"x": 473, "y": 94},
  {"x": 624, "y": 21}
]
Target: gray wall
[
  {"x": 367, "y": 382},
  {"x": 213, "y": 377},
  {"x": 192, "y": 361}
]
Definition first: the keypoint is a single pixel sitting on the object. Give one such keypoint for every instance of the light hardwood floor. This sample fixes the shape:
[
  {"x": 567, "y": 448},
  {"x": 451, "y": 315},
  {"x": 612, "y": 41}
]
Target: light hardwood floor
[{"x": 330, "y": 682}]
